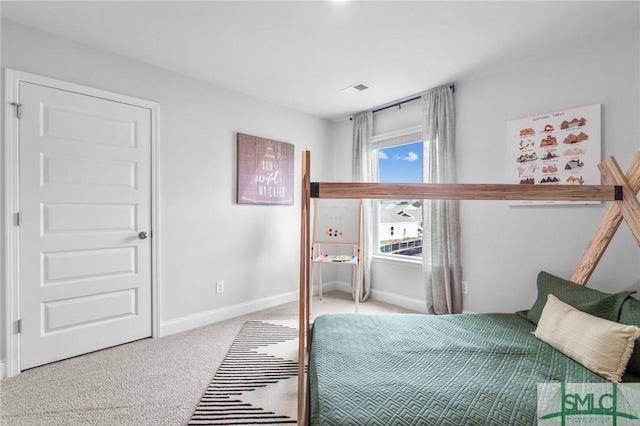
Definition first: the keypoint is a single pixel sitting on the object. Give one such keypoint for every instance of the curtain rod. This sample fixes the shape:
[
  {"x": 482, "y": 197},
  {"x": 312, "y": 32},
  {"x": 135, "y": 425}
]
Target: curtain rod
[
  {"x": 400, "y": 103},
  {"x": 397, "y": 104}
]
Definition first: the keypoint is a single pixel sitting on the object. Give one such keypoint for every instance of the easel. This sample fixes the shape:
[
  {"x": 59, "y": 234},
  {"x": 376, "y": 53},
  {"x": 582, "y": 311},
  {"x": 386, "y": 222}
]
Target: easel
[{"x": 337, "y": 222}]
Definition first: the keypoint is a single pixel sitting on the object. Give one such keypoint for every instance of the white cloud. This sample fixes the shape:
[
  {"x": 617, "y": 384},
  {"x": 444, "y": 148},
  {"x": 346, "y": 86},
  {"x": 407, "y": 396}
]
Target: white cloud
[
  {"x": 382, "y": 155},
  {"x": 411, "y": 156}
]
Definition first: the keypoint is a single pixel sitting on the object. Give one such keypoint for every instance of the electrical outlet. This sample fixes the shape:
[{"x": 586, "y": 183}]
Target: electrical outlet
[
  {"x": 465, "y": 287},
  {"x": 219, "y": 286}
]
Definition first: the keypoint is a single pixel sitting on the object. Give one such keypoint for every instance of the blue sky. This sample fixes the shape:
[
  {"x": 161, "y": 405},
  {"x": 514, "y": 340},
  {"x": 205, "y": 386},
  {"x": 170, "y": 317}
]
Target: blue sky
[{"x": 401, "y": 164}]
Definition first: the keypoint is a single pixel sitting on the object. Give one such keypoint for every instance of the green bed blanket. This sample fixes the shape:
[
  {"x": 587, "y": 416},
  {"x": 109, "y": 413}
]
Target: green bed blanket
[{"x": 412, "y": 369}]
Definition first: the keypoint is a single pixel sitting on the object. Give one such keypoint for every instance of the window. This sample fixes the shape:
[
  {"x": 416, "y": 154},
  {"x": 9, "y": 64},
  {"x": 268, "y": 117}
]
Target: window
[{"x": 400, "y": 221}]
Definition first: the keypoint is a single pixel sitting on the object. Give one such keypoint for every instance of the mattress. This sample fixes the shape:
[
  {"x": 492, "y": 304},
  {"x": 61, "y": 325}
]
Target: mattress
[{"x": 412, "y": 369}]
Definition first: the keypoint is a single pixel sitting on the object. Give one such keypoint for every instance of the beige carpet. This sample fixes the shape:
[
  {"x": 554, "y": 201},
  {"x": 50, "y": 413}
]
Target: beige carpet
[{"x": 148, "y": 382}]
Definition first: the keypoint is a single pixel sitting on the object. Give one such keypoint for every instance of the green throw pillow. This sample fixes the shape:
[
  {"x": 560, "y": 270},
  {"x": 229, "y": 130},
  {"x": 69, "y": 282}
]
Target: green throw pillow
[
  {"x": 630, "y": 315},
  {"x": 585, "y": 299}
]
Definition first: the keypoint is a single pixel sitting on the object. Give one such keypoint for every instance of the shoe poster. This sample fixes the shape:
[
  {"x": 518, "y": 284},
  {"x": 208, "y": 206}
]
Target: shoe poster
[{"x": 556, "y": 148}]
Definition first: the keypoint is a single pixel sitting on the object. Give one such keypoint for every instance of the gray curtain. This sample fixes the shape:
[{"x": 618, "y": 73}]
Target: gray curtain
[
  {"x": 364, "y": 170},
  {"x": 441, "y": 264}
]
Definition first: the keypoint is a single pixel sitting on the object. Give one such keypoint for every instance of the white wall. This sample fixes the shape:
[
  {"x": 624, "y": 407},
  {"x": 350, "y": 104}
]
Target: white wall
[
  {"x": 205, "y": 235},
  {"x": 504, "y": 247},
  {"x": 258, "y": 259}
]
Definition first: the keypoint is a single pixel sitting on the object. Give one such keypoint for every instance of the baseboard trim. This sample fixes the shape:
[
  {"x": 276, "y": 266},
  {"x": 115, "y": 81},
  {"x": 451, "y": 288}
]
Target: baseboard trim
[
  {"x": 327, "y": 286},
  {"x": 412, "y": 303},
  {"x": 386, "y": 297},
  {"x": 406, "y": 302},
  {"x": 216, "y": 315},
  {"x": 337, "y": 285},
  {"x": 210, "y": 317},
  {"x": 2, "y": 369}
]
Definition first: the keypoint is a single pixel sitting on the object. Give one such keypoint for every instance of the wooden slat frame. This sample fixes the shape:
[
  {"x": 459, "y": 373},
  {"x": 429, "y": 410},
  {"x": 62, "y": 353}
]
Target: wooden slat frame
[
  {"x": 464, "y": 191},
  {"x": 611, "y": 220},
  {"x": 622, "y": 190},
  {"x": 629, "y": 205}
]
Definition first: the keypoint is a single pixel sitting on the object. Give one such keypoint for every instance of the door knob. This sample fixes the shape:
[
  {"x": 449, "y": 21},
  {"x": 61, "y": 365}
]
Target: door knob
[{"x": 143, "y": 235}]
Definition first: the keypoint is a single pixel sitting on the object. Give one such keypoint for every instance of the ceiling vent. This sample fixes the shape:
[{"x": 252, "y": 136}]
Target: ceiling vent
[{"x": 356, "y": 88}]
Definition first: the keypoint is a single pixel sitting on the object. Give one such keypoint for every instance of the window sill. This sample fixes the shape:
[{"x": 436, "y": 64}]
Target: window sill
[{"x": 404, "y": 261}]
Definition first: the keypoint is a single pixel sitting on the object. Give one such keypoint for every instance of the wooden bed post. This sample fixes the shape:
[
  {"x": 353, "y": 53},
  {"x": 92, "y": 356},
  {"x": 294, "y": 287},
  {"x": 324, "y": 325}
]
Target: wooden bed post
[
  {"x": 303, "y": 308},
  {"x": 628, "y": 208}
]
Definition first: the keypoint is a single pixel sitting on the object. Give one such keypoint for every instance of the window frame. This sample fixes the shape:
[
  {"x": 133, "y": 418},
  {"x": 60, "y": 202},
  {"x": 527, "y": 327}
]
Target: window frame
[{"x": 404, "y": 136}]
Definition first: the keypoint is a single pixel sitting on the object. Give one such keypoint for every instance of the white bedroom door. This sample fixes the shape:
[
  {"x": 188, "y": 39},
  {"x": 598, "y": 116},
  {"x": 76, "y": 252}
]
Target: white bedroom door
[{"x": 84, "y": 223}]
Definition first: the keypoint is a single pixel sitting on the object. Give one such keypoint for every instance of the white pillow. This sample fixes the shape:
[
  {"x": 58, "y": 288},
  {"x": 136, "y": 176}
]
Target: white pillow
[{"x": 602, "y": 346}]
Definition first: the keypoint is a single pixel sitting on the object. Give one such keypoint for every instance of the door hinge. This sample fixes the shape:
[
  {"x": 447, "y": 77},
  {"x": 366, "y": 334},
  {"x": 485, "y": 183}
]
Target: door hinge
[
  {"x": 18, "y": 109},
  {"x": 19, "y": 326},
  {"x": 18, "y": 218}
]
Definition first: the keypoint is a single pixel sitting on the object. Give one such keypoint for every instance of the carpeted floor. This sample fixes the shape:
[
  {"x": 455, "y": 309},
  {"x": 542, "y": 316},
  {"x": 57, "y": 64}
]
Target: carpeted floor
[{"x": 148, "y": 382}]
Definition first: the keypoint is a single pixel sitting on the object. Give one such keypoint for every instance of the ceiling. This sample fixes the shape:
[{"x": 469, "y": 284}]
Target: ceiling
[{"x": 300, "y": 54}]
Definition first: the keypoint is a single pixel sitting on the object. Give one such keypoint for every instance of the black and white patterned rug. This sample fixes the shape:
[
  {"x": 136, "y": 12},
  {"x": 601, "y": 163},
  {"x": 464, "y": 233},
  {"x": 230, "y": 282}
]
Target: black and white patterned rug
[{"x": 258, "y": 380}]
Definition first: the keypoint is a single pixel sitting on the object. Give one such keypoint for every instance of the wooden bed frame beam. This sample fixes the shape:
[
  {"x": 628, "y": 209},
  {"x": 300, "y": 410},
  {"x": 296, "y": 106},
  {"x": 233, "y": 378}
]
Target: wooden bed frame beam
[
  {"x": 621, "y": 189},
  {"x": 305, "y": 292},
  {"x": 612, "y": 218},
  {"x": 466, "y": 191},
  {"x": 629, "y": 206}
]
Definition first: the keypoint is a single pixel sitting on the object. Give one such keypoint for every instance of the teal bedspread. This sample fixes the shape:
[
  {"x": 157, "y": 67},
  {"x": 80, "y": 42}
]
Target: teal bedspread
[{"x": 412, "y": 369}]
